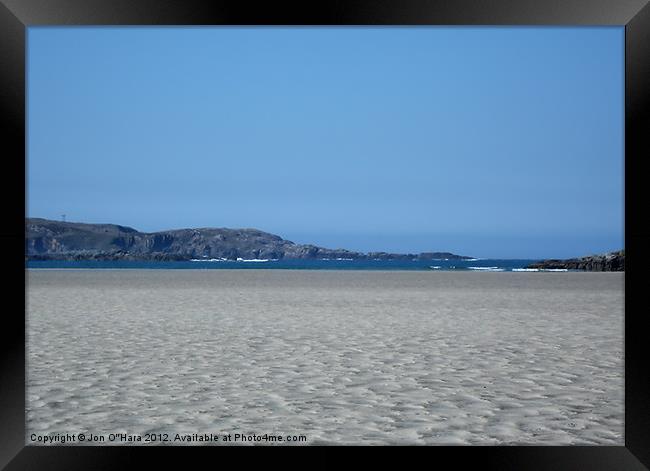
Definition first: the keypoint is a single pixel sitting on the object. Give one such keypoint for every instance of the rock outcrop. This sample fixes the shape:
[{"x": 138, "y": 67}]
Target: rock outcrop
[
  {"x": 613, "y": 261},
  {"x": 57, "y": 240}
]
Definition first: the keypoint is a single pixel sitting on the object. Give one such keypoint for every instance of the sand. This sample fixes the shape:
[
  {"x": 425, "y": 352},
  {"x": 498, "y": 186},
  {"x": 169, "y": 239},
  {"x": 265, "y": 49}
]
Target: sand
[{"x": 342, "y": 357}]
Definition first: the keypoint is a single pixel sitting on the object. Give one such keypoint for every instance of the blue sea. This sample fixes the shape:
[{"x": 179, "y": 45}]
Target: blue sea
[{"x": 338, "y": 264}]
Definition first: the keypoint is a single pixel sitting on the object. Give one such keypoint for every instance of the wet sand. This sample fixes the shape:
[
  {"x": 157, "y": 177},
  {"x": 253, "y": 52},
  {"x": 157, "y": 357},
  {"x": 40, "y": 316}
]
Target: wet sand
[{"x": 343, "y": 357}]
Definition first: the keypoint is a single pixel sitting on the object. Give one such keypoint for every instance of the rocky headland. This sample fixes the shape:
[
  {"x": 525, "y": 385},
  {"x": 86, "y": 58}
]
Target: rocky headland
[
  {"x": 57, "y": 240},
  {"x": 613, "y": 261}
]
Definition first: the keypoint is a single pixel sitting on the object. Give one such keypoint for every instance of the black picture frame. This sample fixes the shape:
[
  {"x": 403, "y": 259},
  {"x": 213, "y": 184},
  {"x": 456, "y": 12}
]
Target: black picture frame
[{"x": 17, "y": 15}]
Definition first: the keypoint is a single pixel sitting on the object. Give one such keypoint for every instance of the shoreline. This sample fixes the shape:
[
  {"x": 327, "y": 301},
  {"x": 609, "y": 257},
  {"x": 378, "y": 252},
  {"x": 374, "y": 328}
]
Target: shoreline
[{"x": 356, "y": 270}]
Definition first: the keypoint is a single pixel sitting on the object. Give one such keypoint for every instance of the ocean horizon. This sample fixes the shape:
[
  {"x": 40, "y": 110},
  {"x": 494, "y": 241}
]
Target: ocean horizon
[{"x": 477, "y": 264}]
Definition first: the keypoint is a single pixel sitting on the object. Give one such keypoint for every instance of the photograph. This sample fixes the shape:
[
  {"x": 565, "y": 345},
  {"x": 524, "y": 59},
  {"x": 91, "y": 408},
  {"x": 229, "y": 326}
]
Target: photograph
[{"x": 325, "y": 235}]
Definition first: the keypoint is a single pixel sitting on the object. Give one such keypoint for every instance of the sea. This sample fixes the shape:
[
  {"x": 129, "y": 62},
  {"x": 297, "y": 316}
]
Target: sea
[{"x": 478, "y": 265}]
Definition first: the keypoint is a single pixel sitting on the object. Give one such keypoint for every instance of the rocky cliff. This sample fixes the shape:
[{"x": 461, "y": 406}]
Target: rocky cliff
[
  {"x": 613, "y": 261},
  {"x": 56, "y": 240}
]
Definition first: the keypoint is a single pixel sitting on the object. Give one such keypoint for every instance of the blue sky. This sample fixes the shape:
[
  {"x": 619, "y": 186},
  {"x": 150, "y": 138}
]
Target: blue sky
[{"x": 490, "y": 142}]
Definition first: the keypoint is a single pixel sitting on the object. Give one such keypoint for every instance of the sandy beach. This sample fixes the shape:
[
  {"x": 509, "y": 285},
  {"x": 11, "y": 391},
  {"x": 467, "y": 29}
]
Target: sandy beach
[{"x": 342, "y": 357}]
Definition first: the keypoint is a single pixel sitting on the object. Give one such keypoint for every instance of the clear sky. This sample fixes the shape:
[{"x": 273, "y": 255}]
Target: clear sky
[{"x": 489, "y": 142}]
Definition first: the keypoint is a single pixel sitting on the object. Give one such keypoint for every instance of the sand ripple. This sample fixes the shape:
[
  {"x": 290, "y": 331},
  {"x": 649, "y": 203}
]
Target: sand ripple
[{"x": 342, "y": 357}]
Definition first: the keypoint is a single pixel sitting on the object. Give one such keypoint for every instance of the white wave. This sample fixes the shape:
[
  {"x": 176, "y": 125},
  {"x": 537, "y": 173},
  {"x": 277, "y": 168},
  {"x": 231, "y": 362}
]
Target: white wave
[
  {"x": 554, "y": 269},
  {"x": 344, "y": 259},
  {"x": 525, "y": 269},
  {"x": 436, "y": 267},
  {"x": 209, "y": 260},
  {"x": 239, "y": 259},
  {"x": 487, "y": 268}
]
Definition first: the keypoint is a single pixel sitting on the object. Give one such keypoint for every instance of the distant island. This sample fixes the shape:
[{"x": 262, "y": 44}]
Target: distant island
[
  {"x": 57, "y": 240},
  {"x": 613, "y": 261}
]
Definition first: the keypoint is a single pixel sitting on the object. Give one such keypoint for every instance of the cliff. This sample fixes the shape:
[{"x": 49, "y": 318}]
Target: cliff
[{"x": 56, "y": 240}]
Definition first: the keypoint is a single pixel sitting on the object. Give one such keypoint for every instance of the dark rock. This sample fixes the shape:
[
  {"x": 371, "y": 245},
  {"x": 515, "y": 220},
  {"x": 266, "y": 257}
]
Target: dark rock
[{"x": 613, "y": 261}]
